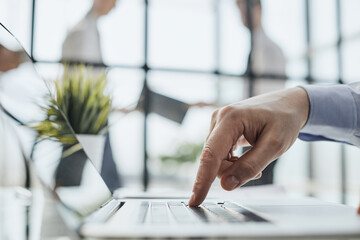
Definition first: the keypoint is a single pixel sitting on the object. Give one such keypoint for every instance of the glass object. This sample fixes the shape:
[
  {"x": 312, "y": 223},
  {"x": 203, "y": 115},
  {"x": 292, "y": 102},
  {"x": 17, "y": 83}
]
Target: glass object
[
  {"x": 125, "y": 124},
  {"x": 58, "y": 158}
]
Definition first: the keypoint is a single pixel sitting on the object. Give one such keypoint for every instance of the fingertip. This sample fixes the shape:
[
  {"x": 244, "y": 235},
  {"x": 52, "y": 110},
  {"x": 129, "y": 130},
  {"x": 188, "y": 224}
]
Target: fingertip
[
  {"x": 199, "y": 194},
  {"x": 194, "y": 201}
]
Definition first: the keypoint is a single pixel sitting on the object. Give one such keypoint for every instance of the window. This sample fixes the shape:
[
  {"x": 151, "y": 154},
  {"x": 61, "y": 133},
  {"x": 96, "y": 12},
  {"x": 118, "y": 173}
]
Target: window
[{"x": 197, "y": 51}]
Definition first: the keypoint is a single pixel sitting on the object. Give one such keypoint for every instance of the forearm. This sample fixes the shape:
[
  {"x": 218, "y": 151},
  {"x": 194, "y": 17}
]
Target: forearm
[{"x": 334, "y": 113}]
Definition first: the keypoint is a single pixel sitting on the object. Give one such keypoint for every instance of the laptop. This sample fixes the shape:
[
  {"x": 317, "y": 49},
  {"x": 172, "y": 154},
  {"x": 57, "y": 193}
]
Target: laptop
[{"x": 87, "y": 205}]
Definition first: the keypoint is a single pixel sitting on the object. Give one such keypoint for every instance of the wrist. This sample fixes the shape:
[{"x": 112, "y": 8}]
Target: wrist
[{"x": 303, "y": 105}]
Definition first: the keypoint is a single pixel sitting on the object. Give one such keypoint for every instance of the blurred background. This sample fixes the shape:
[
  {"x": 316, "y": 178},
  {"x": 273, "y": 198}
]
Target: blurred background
[{"x": 204, "y": 54}]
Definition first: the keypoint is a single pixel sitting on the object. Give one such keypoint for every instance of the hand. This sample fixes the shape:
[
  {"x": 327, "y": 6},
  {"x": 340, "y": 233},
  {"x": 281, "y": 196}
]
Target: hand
[
  {"x": 269, "y": 123},
  {"x": 9, "y": 59},
  {"x": 124, "y": 110},
  {"x": 202, "y": 105}
]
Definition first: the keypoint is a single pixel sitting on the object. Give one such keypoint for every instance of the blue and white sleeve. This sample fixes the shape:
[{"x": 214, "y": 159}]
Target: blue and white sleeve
[{"x": 334, "y": 114}]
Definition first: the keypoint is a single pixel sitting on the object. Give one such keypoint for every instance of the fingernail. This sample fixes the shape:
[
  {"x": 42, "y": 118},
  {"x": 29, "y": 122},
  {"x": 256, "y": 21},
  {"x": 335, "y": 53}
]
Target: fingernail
[{"x": 231, "y": 182}]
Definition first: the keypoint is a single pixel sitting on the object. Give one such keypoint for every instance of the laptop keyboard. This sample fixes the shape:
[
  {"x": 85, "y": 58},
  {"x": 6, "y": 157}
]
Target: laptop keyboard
[
  {"x": 159, "y": 213},
  {"x": 209, "y": 212},
  {"x": 221, "y": 213}
]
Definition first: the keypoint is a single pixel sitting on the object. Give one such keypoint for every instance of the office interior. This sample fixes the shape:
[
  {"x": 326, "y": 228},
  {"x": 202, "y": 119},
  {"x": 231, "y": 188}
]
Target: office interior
[{"x": 197, "y": 51}]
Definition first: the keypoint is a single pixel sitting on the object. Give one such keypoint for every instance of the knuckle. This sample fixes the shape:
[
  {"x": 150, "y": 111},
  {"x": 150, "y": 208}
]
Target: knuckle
[
  {"x": 226, "y": 111},
  {"x": 275, "y": 141},
  {"x": 250, "y": 169},
  {"x": 215, "y": 114}
]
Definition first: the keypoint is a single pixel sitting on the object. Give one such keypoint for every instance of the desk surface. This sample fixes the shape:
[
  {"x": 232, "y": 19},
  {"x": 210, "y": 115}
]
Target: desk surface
[
  {"x": 12, "y": 216},
  {"x": 20, "y": 221}
]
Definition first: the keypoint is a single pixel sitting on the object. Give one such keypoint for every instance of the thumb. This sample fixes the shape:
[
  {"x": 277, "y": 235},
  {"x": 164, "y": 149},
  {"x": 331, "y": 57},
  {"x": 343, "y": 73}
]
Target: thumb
[{"x": 250, "y": 165}]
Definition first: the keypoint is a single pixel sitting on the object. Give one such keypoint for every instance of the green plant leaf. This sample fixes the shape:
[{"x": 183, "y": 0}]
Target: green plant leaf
[{"x": 80, "y": 101}]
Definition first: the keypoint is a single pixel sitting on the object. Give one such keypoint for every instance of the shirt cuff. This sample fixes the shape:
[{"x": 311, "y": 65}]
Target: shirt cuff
[{"x": 332, "y": 113}]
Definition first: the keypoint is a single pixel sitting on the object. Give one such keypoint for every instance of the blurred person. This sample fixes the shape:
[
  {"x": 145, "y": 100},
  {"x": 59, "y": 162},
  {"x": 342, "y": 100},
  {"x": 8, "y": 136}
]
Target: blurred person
[
  {"x": 10, "y": 59},
  {"x": 82, "y": 45},
  {"x": 271, "y": 123},
  {"x": 265, "y": 58},
  {"x": 165, "y": 106}
]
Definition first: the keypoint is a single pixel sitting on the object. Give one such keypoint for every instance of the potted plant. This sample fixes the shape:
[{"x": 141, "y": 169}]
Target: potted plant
[{"x": 79, "y": 101}]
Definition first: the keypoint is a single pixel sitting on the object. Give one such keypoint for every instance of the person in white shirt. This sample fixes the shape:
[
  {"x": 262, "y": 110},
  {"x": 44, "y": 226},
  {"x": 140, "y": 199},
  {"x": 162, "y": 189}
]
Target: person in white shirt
[
  {"x": 82, "y": 44},
  {"x": 265, "y": 58}
]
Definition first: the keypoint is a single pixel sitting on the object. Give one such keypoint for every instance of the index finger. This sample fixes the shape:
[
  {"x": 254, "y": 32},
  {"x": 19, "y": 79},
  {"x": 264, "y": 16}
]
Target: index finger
[{"x": 216, "y": 149}]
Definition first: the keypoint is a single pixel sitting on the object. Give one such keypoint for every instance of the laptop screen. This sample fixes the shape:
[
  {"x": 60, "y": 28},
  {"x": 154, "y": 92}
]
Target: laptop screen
[{"x": 58, "y": 158}]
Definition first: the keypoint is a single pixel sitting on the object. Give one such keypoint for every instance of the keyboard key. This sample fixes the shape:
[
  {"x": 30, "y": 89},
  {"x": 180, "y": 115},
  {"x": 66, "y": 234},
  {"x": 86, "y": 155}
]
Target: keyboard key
[
  {"x": 222, "y": 213},
  {"x": 143, "y": 211},
  {"x": 176, "y": 204},
  {"x": 159, "y": 213},
  {"x": 253, "y": 217},
  {"x": 180, "y": 212},
  {"x": 202, "y": 214},
  {"x": 248, "y": 215}
]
